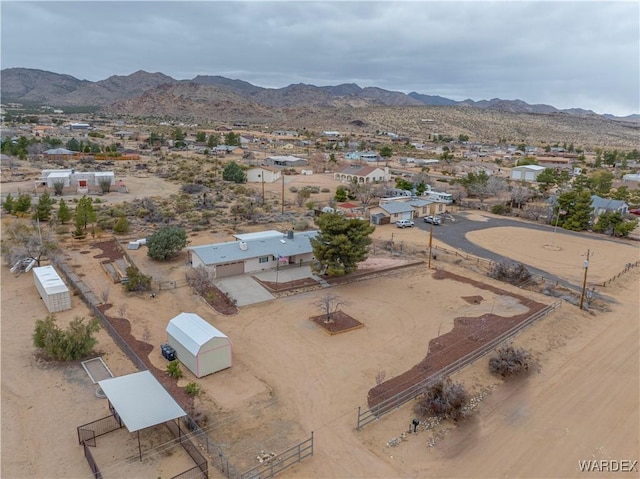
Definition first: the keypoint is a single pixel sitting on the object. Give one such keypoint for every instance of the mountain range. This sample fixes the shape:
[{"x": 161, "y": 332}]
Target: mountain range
[{"x": 119, "y": 94}]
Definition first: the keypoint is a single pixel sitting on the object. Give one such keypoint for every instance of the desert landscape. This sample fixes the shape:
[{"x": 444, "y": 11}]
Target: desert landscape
[{"x": 289, "y": 377}]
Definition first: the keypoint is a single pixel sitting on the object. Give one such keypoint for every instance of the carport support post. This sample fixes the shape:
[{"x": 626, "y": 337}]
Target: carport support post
[{"x": 139, "y": 448}]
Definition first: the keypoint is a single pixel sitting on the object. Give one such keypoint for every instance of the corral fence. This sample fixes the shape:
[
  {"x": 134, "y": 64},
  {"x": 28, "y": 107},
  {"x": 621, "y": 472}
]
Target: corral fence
[
  {"x": 92, "y": 462},
  {"x": 627, "y": 268},
  {"x": 369, "y": 415},
  {"x": 282, "y": 461},
  {"x": 193, "y": 451},
  {"x": 87, "y": 433}
]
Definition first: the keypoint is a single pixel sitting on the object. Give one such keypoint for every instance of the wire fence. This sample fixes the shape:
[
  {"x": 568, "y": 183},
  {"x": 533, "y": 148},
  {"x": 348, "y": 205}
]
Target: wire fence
[{"x": 628, "y": 267}]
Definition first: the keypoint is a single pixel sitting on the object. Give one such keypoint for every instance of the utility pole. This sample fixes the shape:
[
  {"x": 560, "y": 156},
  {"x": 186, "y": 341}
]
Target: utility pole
[
  {"x": 584, "y": 281},
  {"x": 262, "y": 176},
  {"x": 282, "y": 207},
  {"x": 432, "y": 211}
]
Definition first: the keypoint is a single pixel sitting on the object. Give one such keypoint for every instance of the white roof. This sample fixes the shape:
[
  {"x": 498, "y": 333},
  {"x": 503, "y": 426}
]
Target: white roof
[
  {"x": 50, "y": 280},
  {"x": 260, "y": 235},
  {"x": 59, "y": 174},
  {"x": 530, "y": 167},
  {"x": 103, "y": 173},
  {"x": 192, "y": 331},
  {"x": 140, "y": 400}
]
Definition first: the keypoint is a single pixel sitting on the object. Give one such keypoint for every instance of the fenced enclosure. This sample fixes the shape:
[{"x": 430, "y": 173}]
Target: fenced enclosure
[
  {"x": 369, "y": 415},
  {"x": 92, "y": 462},
  {"x": 282, "y": 461},
  {"x": 87, "y": 433}
]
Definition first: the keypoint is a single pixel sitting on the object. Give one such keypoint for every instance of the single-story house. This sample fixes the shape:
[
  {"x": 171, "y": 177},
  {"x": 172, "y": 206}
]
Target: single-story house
[
  {"x": 331, "y": 134},
  {"x": 202, "y": 348},
  {"x": 227, "y": 149},
  {"x": 526, "y": 172},
  {"x": 252, "y": 252},
  {"x": 394, "y": 210},
  {"x": 362, "y": 156},
  {"x": 362, "y": 174},
  {"x": 58, "y": 154},
  {"x": 287, "y": 161},
  {"x": 263, "y": 174},
  {"x": 607, "y": 205},
  {"x": 84, "y": 181},
  {"x": 631, "y": 177}
]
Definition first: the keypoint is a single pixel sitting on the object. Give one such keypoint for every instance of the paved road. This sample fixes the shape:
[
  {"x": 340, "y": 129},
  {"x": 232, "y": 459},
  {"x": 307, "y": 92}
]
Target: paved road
[{"x": 453, "y": 233}]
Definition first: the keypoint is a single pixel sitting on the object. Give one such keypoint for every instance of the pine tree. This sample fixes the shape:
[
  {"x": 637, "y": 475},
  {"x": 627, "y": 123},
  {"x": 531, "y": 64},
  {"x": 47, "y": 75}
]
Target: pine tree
[
  {"x": 8, "y": 203},
  {"x": 64, "y": 213},
  {"x": 43, "y": 208},
  {"x": 341, "y": 244},
  {"x": 84, "y": 212}
]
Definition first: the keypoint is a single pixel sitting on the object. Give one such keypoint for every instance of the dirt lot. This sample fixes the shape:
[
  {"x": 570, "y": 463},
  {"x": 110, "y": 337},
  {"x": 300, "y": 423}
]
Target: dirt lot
[{"x": 290, "y": 378}]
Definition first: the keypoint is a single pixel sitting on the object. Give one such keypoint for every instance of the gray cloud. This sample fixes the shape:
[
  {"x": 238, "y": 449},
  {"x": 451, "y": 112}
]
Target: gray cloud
[{"x": 568, "y": 54}]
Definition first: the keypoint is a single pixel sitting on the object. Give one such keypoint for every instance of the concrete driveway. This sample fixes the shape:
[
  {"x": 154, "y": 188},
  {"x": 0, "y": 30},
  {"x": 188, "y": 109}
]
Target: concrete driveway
[{"x": 245, "y": 290}]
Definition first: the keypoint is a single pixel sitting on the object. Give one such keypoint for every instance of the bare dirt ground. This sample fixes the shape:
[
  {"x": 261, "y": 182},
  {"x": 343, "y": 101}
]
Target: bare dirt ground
[{"x": 290, "y": 378}]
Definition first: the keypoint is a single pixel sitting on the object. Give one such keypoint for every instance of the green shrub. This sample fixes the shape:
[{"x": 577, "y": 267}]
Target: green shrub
[
  {"x": 76, "y": 342},
  {"x": 501, "y": 210},
  {"x": 136, "y": 281},
  {"x": 173, "y": 369},
  {"x": 121, "y": 226},
  {"x": 293, "y": 189}
]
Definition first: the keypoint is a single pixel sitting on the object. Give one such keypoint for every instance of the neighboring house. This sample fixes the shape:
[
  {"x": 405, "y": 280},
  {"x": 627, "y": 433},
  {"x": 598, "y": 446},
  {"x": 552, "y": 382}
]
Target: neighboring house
[
  {"x": 79, "y": 126},
  {"x": 287, "y": 161},
  {"x": 393, "y": 210},
  {"x": 231, "y": 149},
  {"x": 82, "y": 181},
  {"x": 58, "y": 154},
  {"x": 362, "y": 156},
  {"x": 285, "y": 133},
  {"x": 262, "y": 174},
  {"x": 123, "y": 134},
  {"x": 362, "y": 174},
  {"x": 252, "y": 252},
  {"x": 331, "y": 134},
  {"x": 631, "y": 177},
  {"x": 422, "y": 206},
  {"x": 351, "y": 210},
  {"x": 526, "y": 172},
  {"x": 606, "y": 205}
]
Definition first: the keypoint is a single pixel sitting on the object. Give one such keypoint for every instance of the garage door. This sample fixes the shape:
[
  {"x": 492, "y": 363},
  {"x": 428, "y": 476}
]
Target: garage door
[
  {"x": 406, "y": 216},
  {"x": 529, "y": 176},
  {"x": 230, "y": 269}
]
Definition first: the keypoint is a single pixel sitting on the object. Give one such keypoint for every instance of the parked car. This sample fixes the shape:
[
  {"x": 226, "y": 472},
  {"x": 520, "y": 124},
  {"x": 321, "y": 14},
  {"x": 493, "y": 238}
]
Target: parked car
[
  {"x": 404, "y": 223},
  {"x": 432, "y": 219}
]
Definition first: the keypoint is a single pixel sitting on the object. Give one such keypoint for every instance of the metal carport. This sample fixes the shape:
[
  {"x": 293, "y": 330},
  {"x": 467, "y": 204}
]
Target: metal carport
[{"x": 140, "y": 401}]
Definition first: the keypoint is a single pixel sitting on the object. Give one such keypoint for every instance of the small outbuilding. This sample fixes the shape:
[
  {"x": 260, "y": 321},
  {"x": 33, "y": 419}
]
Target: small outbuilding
[
  {"x": 199, "y": 346},
  {"x": 526, "y": 172},
  {"x": 52, "y": 290}
]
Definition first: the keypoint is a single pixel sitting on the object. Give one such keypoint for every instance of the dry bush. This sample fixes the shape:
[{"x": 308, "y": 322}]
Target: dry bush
[
  {"x": 444, "y": 399},
  {"x": 513, "y": 273},
  {"x": 510, "y": 361},
  {"x": 200, "y": 279}
]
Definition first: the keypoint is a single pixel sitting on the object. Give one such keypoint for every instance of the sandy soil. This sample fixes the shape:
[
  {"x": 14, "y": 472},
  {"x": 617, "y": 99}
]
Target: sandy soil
[{"x": 290, "y": 378}]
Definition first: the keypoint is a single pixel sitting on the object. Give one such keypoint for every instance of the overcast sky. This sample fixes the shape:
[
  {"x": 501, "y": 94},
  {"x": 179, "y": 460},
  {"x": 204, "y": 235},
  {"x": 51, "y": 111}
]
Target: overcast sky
[{"x": 566, "y": 54}]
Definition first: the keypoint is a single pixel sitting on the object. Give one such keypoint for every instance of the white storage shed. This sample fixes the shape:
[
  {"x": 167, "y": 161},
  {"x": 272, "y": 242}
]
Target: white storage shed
[
  {"x": 199, "y": 346},
  {"x": 53, "y": 291}
]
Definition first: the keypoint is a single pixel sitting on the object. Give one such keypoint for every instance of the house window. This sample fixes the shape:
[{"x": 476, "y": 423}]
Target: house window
[
  {"x": 395, "y": 215},
  {"x": 264, "y": 259}
]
